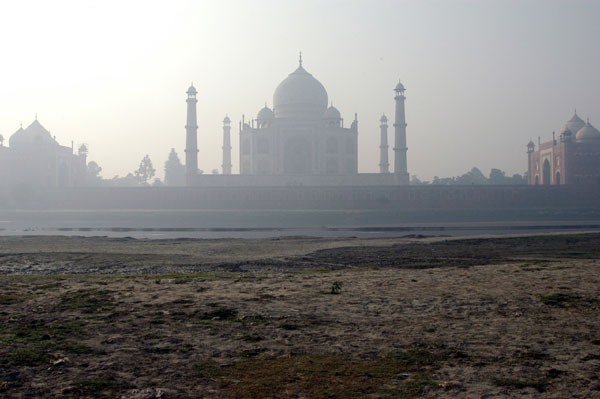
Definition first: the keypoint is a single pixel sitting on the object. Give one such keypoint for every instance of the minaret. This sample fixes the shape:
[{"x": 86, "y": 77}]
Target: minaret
[
  {"x": 191, "y": 137},
  {"x": 384, "y": 165},
  {"x": 400, "y": 168},
  {"x": 226, "y": 146}
]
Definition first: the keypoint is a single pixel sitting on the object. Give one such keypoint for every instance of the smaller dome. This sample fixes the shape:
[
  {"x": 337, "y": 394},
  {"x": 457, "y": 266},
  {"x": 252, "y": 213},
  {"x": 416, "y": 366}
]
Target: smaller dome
[
  {"x": 226, "y": 120},
  {"x": 383, "y": 118},
  {"x": 588, "y": 132},
  {"x": 399, "y": 87},
  {"x": 574, "y": 124},
  {"x": 265, "y": 113},
  {"x": 332, "y": 113}
]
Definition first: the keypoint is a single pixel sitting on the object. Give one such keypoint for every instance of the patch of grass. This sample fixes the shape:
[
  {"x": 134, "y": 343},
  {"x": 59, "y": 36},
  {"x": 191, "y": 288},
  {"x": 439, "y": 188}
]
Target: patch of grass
[
  {"x": 558, "y": 299},
  {"x": 9, "y": 299},
  {"x": 87, "y": 301},
  {"x": 80, "y": 349},
  {"x": 160, "y": 350},
  {"x": 252, "y": 352},
  {"x": 533, "y": 355},
  {"x": 251, "y": 338},
  {"x": 35, "y": 339},
  {"x": 35, "y": 331},
  {"x": 554, "y": 373},
  {"x": 207, "y": 370},
  {"x": 290, "y": 327},
  {"x": 27, "y": 357},
  {"x": 182, "y": 301},
  {"x": 95, "y": 387},
  {"x": 257, "y": 318},
  {"x": 320, "y": 376},
  {"x": 539, "y": 386},
  {"x": 220, "y": 313}
]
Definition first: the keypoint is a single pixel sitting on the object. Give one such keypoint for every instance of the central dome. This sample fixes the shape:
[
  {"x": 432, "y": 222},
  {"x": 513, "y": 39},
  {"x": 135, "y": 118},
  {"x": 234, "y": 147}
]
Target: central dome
[{"x": 300, "y": 95}]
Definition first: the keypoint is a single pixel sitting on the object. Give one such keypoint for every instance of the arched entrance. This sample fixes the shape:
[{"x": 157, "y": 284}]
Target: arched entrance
[
  {"x": 546, "y": 172},
  {"x": 557, "y": 179}
]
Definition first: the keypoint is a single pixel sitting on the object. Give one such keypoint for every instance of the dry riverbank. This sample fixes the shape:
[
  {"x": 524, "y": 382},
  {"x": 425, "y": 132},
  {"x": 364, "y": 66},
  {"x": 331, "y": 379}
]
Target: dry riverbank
[{"x": 300, "y": 317}]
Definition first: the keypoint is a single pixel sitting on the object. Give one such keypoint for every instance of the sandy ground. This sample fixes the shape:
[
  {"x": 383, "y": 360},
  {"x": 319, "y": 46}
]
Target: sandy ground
[{"x": 188, "y": 318}]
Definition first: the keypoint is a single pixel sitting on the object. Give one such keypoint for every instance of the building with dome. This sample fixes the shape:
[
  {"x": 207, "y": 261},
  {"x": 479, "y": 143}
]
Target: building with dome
[
  {"x": 573, "y": 158},
  {"x": 34, "y": 159},
  {"x": 301, "y": 135},
  {"x": 301, "y": 140}
]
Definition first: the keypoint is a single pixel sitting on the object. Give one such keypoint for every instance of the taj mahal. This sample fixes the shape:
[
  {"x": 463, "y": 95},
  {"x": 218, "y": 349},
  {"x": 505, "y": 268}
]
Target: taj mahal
[{"x": 302, "y": 141}]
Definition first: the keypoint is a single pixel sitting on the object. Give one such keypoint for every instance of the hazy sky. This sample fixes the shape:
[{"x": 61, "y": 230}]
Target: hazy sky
[{"x": 482, "y": 77}]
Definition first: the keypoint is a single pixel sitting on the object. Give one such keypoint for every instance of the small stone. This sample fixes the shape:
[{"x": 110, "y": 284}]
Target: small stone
[{"x": 61, "y": 361}]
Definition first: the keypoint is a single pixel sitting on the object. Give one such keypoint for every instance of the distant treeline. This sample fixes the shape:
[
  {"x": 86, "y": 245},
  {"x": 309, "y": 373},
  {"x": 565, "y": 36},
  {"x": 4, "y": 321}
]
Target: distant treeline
[{"x": 475, "y": 176}]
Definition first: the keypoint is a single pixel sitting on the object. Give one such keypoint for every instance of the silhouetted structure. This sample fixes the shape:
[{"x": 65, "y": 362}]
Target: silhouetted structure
[
  {"x": 191, "y": 138},
  {"x": 300, "y": 142},
  {"x": 34, "y": 159},
  {"x": 572, "y": 159},
  {"x": 400, "y": 149},
  {"x": 226, "y": 146},
  {"x": 384, "y": 165}
]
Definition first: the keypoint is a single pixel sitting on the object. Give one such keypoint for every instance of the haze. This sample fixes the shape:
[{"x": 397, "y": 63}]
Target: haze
[{"x": 482, "y": 77}]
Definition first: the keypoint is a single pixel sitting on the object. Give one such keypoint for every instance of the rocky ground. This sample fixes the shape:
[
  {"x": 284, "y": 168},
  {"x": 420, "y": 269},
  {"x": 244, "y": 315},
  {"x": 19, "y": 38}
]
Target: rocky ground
[{"x": 300, "y": 318}]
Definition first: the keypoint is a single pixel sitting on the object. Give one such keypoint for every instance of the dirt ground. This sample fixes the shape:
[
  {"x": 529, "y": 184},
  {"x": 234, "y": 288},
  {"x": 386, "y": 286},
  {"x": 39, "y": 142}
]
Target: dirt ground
[{"x": 300, "y": 317}]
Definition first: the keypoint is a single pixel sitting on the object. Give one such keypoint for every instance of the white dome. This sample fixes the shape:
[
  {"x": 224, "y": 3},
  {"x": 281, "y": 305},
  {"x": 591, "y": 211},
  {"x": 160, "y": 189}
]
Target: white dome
[
  {"x": 588, "y": 132},
  {"x": 300, "y": 95}
]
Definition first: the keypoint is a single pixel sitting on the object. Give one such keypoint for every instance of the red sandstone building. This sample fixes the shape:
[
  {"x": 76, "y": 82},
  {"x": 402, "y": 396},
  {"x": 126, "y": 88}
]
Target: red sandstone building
[{"x": 572, "y": 159}]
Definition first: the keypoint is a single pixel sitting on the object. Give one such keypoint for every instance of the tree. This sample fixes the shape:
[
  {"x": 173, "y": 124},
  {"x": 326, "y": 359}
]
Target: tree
[
  {"x": 174, "y": 170},
  {"x": 145, "y": 171},
  {"x": 474, "y": 176},
  {"x": 92, "y": 173},
  {"x": 127, "y": 181},
  {"x": 518, "y": 179},
  {"x": 498, "y": 177}
]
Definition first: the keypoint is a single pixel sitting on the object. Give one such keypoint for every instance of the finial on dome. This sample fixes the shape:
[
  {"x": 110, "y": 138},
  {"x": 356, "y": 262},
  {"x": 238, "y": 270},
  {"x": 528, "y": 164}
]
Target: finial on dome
[
  {"x": 588, "y": 120},
  {"x": 300, "y": 59},
  {"x": 36, "y": 116}
]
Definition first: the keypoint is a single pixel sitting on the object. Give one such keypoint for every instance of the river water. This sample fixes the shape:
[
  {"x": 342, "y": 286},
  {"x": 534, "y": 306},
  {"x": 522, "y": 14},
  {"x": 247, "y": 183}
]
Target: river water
[{"x": 210, "y": 224}]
